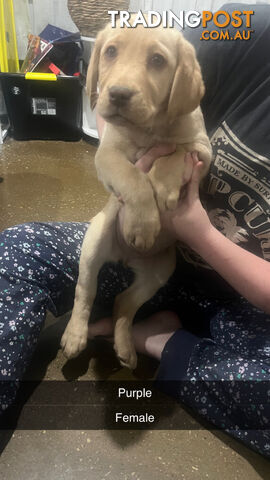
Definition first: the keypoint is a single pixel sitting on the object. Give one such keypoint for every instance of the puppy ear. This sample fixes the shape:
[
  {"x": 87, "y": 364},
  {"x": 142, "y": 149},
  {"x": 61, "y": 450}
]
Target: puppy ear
[
  {"x": 188, "y": 87},
  {"x": 92, "y": 72}
]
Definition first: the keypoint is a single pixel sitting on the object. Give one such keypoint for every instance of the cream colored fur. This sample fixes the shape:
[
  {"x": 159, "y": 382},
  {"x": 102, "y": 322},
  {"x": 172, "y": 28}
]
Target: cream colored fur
[{"x": 164, "y": 107}]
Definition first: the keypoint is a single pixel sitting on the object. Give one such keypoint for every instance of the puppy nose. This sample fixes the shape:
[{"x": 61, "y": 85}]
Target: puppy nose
[{"x": 120, "y": 96}]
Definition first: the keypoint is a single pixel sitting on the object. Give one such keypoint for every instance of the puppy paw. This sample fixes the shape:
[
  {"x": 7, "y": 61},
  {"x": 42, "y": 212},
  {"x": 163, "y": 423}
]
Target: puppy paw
[
  {"x": 140, "y": 230},
  {"x": 167, "y": 200},
  {"x": 127, "y": 355},
  {"x": 166, "y": 194},
  {"x": 74, "y": 339}
]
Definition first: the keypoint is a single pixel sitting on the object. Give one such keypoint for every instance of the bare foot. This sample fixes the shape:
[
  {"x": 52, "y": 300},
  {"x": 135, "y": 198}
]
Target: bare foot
[
  {"x": 103, "y": 327},
  {"x": 149, "y": 336}
]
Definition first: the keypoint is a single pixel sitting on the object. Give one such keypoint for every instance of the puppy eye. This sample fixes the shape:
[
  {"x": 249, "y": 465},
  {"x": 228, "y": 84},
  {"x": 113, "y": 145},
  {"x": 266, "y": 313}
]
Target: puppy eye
[
  {"x": 111, "y": 51},
  {"x": 157, "y": 60}
]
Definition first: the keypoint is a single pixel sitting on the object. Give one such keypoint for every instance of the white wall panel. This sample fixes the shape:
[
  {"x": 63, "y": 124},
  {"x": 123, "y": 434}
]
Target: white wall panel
[
  {"x": 134, "y": 5},
  {"x": 33, "y": 15},
  {"x": 22, "y": 24},
  {"x": 50, "y": 11},
  {"x": 56, "y": 11},
  {"x": 176, "y": 5}
]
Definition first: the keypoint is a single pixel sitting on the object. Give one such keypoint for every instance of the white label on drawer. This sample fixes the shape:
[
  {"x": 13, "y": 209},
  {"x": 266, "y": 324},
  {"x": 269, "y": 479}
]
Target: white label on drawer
[{"x": 43, "y": 106}]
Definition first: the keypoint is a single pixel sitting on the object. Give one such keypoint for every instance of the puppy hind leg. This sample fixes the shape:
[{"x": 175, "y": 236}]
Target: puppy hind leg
[
  {"x": 96, "y": 250},
  {"x": 150, "y": 275}
]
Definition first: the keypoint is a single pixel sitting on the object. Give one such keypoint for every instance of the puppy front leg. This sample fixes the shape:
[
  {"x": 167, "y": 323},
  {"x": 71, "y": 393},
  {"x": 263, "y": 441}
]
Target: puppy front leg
[
  {"x": 166, "y": 177},
  {"x": 167, "y": 173},
  {"x": 141, "y": 223}
]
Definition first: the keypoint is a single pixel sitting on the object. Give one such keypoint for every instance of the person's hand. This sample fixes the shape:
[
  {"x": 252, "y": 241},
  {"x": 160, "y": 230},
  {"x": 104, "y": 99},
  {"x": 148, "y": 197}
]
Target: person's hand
[
  {"x": 145, "y": 163},
  {"x": 189, "y": 220}
]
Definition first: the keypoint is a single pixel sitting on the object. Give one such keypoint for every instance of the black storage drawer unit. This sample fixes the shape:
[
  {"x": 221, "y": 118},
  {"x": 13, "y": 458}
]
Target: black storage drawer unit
[{"x": 43, "y": 106}]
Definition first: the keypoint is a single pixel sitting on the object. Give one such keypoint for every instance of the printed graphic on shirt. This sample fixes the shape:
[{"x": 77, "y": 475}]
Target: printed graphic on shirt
[{"x": 236, "y": 194}]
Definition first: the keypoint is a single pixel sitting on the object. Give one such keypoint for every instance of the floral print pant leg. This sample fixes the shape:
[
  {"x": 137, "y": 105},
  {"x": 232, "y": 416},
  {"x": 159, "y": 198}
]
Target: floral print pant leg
[
  {"x": 38, "y": 272},
  {"x": 227, "y": 376},
  {"x": 39, "y": 265}
]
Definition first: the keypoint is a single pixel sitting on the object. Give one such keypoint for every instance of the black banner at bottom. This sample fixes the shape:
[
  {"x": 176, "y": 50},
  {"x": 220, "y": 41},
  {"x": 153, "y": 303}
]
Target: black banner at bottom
[{"x": 134, "y": 405}]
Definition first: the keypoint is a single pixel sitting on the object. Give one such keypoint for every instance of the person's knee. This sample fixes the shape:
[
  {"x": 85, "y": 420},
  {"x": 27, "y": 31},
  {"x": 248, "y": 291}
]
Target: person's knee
[
  {"x": 17, "y": 250},
  {"x": 12, "y": 235}
]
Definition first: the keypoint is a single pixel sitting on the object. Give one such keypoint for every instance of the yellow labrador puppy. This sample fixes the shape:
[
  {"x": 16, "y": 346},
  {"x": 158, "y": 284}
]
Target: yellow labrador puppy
[{"x": 150, "y": 87}]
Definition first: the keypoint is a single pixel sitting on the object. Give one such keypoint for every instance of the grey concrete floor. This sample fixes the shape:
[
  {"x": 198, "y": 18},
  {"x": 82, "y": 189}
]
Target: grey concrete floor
[{"x": 56, "y": 181}]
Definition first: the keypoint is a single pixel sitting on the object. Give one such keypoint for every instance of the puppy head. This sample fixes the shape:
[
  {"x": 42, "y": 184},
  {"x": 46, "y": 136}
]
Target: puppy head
[{"x": 141, "y": 73}]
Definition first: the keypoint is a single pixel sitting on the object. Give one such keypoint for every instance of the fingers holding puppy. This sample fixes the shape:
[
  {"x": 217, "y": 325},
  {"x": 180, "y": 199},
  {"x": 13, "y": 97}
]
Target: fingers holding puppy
[{"x": 146, "y": 162}]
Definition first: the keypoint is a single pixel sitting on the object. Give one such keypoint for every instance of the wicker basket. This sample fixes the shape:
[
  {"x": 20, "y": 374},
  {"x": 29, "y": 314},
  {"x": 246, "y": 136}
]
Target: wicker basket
[{"x": 90, "y": 16}]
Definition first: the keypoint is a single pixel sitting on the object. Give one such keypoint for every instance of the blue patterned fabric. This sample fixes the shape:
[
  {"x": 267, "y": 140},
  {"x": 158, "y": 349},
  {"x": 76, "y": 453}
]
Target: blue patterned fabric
[{"x": 230, "y": 339}]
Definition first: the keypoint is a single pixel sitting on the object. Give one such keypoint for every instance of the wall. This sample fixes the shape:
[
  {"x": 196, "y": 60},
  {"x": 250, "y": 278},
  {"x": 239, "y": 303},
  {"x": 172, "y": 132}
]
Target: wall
[
  {"x": 50, "y": 11},
  {"x": 33, "y": 15},
  {"x": 176, "y": 5}
]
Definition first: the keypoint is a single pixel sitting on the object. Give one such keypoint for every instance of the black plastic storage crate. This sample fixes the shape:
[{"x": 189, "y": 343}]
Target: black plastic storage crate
[{"x": 43, "y": 106}]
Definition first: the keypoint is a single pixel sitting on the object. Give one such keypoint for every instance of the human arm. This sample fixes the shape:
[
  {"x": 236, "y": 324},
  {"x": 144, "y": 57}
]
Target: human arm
[{"x": 248, "y": 274}]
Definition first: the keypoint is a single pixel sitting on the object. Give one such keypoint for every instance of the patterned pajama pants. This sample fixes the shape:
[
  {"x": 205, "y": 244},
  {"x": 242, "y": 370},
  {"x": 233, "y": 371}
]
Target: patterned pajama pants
[{"x": 218, "y": 364}]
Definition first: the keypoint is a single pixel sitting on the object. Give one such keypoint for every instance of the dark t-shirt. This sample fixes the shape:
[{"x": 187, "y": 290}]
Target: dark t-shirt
[{"x": 236, "y": 107}]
